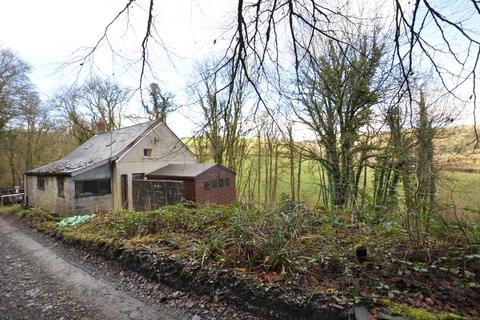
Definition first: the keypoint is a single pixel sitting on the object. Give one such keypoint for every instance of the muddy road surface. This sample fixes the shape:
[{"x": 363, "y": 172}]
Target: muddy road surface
[{"x": 41, "y": 279}]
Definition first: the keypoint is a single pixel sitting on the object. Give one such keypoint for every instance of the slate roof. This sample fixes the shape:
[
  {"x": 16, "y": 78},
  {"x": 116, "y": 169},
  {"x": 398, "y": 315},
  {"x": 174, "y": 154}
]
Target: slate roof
[
  {"x": 184, "y": 170},
  {"x": 101, "y": 148}
]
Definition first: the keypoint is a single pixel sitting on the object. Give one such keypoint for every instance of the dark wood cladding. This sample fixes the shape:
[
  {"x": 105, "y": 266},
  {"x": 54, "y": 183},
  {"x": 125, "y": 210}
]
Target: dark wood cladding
[
  {"x": 219, "y": 195},
  {"x": 151, "y": 194},
  {"x": 194, "y": 187},
  {"x": 190, "y": 190}
]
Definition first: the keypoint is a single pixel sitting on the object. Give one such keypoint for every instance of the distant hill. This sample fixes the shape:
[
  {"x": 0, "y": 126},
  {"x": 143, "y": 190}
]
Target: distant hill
[{"x": 455, "y": 149}]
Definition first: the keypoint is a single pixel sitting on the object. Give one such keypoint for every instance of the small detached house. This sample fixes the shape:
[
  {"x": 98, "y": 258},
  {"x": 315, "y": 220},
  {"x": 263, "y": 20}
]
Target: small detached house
[
  {"x": 98, "y": 174},
  {"x": 203, "y": 183}
]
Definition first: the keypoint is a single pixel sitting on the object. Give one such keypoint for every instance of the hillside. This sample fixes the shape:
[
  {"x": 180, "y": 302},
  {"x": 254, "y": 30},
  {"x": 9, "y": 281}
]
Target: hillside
[{"x": 455, "y": 149}]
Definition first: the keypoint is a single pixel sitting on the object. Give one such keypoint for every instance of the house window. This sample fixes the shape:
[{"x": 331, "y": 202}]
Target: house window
[
  {"x": 220, "y": 182},
  {"x": 147, "y": 153},
  {"x": 40, "y": 183},
  {"x": 60, "y": 187},
  {"x": 227, "y": 182},
  {"x": 138, "y": 176},
  {"x": 92, "y": 188}
]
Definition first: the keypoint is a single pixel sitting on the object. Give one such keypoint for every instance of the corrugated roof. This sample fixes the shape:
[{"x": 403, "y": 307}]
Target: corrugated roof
[
  {"x": 102, "y": 147},
  {"x": 186, "y": 170}
]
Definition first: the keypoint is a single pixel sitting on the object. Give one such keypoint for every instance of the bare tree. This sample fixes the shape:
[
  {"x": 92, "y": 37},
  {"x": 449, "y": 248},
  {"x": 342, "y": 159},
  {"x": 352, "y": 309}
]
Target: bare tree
[
  {"x": 20, "y": 114},
  {"x": 27, "y": 142},
  {"x": 223, "y": 119},
  {"x": 15, "y": 86},
  {"x": 104, "y": 99},
  {"x": 82, "y": 106},
  {"x": 442, "y": 37},
  {"x": 34, "y": 118},
  {"x": 67, "y": 102}
]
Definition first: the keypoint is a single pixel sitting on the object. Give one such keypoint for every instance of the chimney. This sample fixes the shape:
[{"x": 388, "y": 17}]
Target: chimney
[{"x": 100, "y": 126}]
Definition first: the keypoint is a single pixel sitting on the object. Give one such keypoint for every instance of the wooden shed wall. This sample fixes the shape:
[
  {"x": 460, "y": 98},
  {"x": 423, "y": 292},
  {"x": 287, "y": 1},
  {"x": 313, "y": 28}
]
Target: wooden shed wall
[
  {"x": 190, "y": 189},
  {"x": 218, "y": 195},
  {"x": 153, "y": 194},
  {"x": 194, "y": 188},
  {"x": 189, "y": 185}
]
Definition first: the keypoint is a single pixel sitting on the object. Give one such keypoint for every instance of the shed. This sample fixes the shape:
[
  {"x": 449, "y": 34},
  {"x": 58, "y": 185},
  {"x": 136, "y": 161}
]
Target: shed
[{"x": 203, "y": 182}]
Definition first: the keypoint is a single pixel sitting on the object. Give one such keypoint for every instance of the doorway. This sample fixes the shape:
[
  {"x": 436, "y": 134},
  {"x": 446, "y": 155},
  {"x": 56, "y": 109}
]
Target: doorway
[{"x": 124, "y": 190}]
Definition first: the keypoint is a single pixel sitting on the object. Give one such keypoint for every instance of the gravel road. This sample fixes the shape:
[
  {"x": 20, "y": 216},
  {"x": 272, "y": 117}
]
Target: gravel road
[{"x": 41, "y": 279}]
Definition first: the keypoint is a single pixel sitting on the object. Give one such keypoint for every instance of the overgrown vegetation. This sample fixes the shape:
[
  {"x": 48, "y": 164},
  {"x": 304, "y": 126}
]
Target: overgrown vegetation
[{"x": 306, "y": 248}]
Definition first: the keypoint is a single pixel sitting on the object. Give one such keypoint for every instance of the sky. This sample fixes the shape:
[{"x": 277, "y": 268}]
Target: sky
[{"x": 50, "y": 33}]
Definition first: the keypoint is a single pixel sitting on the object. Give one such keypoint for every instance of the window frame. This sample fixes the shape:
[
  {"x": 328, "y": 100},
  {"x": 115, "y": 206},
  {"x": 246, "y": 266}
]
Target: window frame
[
  {"x": 207, "y": 185},
  {"x": 41, "y": 183},
  {"x": 147, "y": 153},
  {"x": 96, "y": 182},
  {"x": 61, "y": 191},
  {"x": 219, "y": 183},
  {"x": 214, "y": 183}
]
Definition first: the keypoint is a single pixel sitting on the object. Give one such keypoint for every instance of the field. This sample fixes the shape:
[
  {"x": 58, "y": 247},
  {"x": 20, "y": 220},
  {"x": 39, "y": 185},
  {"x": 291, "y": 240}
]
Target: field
[
  {"x": 460, "y": 191},
  {"x": 457, "y": 191},
  {"x": 458, "y": 181}
]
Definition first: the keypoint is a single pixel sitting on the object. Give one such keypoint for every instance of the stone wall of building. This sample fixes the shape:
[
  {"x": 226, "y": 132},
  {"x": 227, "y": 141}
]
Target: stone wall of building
[{"x": 49, "y": 198}]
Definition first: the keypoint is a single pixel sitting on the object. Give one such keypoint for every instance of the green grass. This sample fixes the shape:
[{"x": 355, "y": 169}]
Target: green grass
[
  {"x": 461, "y": 190},
  {"x": 418, "y": 313},
  {"x": 6, "y": 210},
  {"x": 463, "y": 187}
]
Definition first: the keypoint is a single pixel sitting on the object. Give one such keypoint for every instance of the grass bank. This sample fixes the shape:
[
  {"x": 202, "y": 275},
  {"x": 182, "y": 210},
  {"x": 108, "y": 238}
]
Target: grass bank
[{"x": 308, "y": 251}]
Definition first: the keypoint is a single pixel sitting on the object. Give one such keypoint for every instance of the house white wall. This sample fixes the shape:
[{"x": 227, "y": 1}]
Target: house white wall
[{"x": 166, "y": 148}]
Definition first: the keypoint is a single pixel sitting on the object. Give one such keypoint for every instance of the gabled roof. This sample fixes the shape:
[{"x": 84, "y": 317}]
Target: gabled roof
[
  {"x": 100, "y": 149},
  {"x": 184, "y": 170}
]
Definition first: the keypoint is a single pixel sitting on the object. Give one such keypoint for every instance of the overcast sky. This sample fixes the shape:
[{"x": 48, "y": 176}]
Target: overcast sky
[{"x": 49, "y": 33}]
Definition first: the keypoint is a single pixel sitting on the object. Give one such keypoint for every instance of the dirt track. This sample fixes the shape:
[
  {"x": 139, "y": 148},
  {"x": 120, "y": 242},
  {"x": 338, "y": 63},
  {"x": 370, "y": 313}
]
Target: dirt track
[
  {"x": 39, "y": 284},
  {"x": 40, "y": 279}
]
